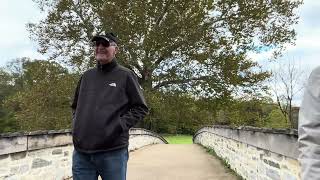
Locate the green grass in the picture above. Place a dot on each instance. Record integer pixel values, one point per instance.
(178, 139)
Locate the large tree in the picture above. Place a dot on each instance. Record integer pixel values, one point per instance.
(185, 45)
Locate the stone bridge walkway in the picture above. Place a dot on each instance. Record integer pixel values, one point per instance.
(175, 162)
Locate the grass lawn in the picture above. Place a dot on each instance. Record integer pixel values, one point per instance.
(178, 139)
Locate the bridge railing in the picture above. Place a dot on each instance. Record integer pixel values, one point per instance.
(254, 153)
(48, 154)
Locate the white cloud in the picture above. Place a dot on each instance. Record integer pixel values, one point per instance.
(15, 42)
(31, 53)
(306, 50)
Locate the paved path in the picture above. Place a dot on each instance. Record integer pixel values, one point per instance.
(175, 162)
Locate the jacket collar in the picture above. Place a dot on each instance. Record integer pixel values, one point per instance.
(107, 67)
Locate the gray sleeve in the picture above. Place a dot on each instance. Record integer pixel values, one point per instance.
(309, 129)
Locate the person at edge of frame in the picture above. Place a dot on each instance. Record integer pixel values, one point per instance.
(108, 101)
(309, 129)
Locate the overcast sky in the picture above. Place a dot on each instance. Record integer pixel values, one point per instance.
(15, 42)
(305, 53)
(307, 46)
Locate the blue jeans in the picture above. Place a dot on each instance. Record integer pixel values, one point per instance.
(109, 165)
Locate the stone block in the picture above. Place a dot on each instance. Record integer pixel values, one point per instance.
(273, 174)
(48, 140)
(18, 155)
(13, 144)
(57, 151)
(66, 153)
(277, 157)
(4, 170)
(283, 166)
(4, 157)
(38, 163)
(11, 177)
(38, 153)
(14, 170)
(284, 145)
(24, 169)
(272, 163)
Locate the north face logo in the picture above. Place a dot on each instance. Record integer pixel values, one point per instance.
(113, 84)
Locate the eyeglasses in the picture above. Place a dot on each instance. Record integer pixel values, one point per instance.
(103, 43)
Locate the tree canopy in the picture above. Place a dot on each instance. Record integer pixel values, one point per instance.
(191, 58)
(181, 45)
(42, 99)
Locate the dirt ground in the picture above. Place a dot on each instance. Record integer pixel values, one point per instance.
(175, 162)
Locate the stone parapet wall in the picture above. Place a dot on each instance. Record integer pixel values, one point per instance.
(48, 154)
(254, 153)
(20, 142)
(49, 163)
(141, 137)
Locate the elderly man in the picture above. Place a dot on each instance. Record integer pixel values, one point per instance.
(309, 129)
(108, 101)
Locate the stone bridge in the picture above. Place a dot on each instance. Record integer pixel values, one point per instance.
(251, 152)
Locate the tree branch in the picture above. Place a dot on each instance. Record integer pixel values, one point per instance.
(179, 81)
(159, 19)
(85, 22)
(133, 59)
(163, 56)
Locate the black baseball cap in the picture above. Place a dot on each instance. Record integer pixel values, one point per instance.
(110, 37)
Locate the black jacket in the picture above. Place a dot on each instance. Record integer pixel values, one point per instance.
(107, 102)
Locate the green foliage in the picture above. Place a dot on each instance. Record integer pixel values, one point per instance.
(7, 121)
(7, 88)
(186, 46)
(276, 119)
(191, 59)
(176, 114)
(178, 139)
(242, 113)
(251, 112)
(44, 100)
(37, 95)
